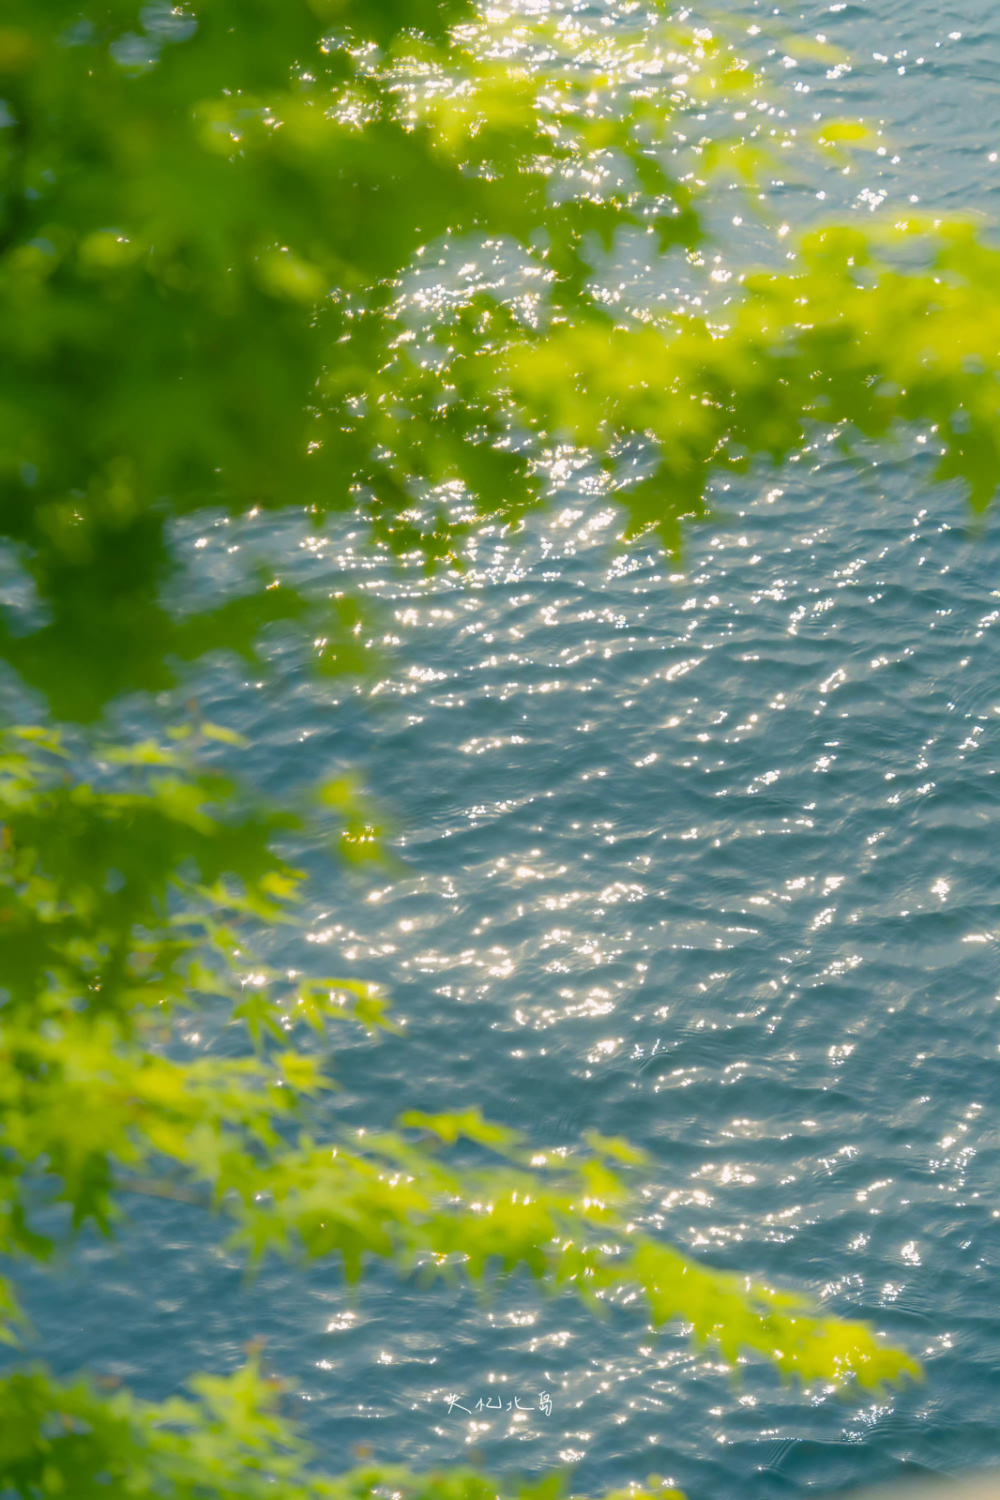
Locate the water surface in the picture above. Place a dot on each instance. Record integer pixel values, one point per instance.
(703, 854)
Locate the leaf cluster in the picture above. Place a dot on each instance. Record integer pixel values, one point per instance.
(107, 941)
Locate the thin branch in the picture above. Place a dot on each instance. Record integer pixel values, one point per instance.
(156, 1187)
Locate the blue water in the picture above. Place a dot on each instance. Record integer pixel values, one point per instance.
(702, 853)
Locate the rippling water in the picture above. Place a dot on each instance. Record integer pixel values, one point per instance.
(705, 856)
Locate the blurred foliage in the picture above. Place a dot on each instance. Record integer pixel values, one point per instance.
(230, 1440)
(208, 220)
